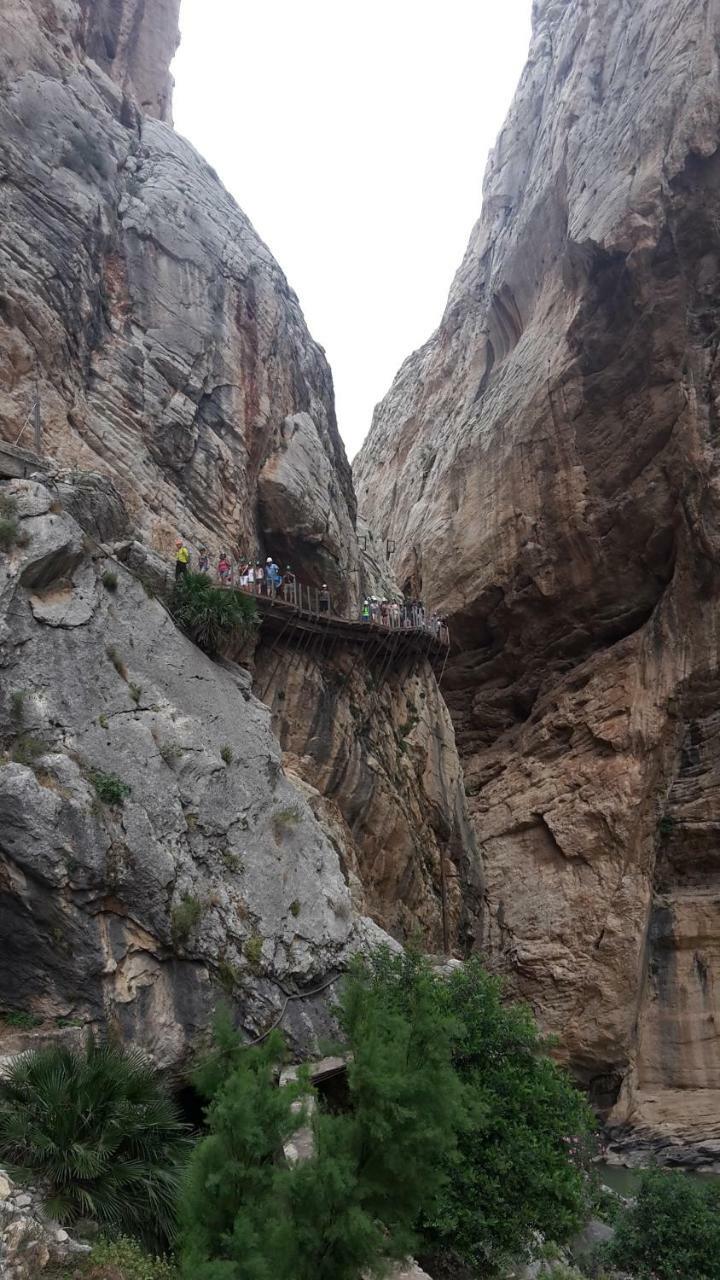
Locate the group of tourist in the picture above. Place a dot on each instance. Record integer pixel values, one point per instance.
(256, 577)
(267, 580)
(411, 614)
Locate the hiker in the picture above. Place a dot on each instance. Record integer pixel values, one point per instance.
(324, 599)
(365, 614)
(374, 609)
(288, 583)
(384, 612)
(203, 561)
(223, 569)
(258, 578)
(182, 557)
(272, 576)
(246, 580)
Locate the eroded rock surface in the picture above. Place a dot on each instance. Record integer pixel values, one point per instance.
(154, 857)
(547, 466)
(373, 737)
(167, 346)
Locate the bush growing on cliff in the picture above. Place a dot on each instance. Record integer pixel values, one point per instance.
(518, 1169)
(96, 1128)
(672, 1231)
(354, 1204)
(213, 617)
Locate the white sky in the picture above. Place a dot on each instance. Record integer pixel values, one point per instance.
(354, 135)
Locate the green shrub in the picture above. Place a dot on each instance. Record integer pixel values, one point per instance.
(232, 861)
(21, 1019)
(135, 693)
(284, 820)
(213, 617)
(27, 750)
(109, 580)
(226, 754)
(9, 528)
(109, 787)
(295, 907)
(671, 1231)
(115, 658)
(169, 752)
(96, 1128)
(124, 1259)
(519, 1165)
(252, 950)
(17, 707)
(184, 917)
(229, 975)
(354, 1203)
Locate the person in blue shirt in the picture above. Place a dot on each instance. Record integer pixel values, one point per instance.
(272, 574)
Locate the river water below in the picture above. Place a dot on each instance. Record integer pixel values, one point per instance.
(625, 1181)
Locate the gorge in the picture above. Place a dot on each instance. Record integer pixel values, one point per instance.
(546, 468)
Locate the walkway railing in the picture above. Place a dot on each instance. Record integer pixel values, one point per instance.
(316, 602)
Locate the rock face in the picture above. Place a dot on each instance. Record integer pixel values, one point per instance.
(153, 854)
(375, 740)
(547, 465)
(166, 345)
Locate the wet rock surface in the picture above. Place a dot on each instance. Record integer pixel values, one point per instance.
(547, 467)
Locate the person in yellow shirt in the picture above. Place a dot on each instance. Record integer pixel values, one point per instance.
(182, 556)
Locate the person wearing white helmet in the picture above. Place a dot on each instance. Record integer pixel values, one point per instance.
(272, 576)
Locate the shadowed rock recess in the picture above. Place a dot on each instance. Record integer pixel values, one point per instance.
(164, 841)
(547, 466)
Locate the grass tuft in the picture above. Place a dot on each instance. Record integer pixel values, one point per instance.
(109, 788)
(184, 917)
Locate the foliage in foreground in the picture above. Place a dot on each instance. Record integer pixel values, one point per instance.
(456, 1140)
(212, 616)
(123, 1259)
(354, 1204)
(518, 1170)
(672, 1231)
(96, 1127)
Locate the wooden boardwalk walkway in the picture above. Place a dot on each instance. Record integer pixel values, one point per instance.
(290, 621)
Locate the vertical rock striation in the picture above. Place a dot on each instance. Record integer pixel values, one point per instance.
(166, 344)
(547, 465)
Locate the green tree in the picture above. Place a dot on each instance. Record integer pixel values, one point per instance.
(95, 1127)
(214, 617)
(355, 1203)
(672, 1231)
(518, 1169)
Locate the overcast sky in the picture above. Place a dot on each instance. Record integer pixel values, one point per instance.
(354, 136)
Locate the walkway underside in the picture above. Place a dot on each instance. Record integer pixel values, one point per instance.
(382, 643)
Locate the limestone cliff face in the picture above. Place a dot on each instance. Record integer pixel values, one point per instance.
(154, 856)
(374, 739)
(167, 346)
(547, 465)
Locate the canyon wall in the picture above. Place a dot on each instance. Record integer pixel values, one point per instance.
(547, 466)
(165, 343)
(155, 859)
(372, 735)
(160, 848)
